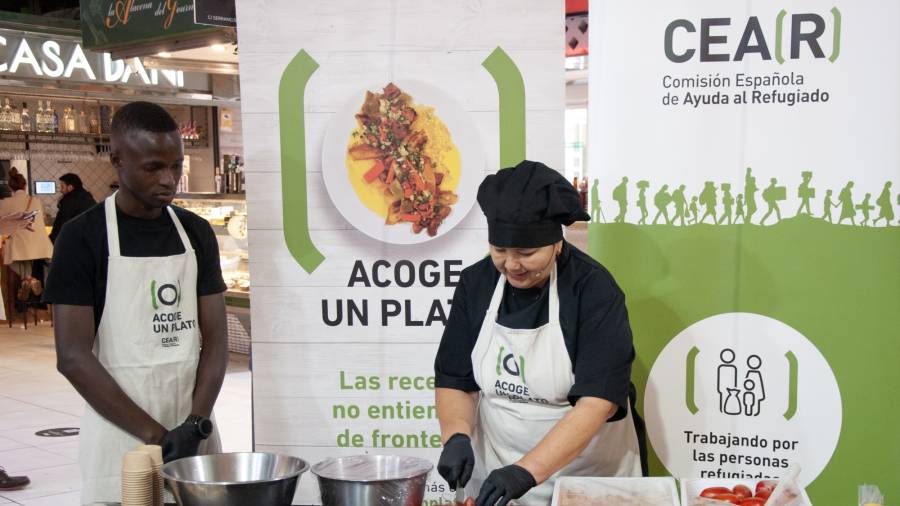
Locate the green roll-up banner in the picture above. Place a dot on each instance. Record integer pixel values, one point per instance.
(748, 162)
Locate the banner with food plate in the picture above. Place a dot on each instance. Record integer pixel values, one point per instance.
(367, 129)
(747, 169)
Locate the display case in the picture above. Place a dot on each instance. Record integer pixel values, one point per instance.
(227, 214)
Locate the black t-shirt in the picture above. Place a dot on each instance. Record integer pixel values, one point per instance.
(593, 318)
(81, 254)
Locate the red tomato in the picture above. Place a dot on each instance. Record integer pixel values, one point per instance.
(742, 491)
(766, 484)
(733, 499)
(753, 501)
(711, 492)
(764, 493)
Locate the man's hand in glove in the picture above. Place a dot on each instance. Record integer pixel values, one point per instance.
(182, 441)
(457, 460)
(505, 484)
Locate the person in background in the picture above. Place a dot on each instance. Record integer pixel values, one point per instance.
(8, 225)
(135, 283)
(26, 250)
(75, 200)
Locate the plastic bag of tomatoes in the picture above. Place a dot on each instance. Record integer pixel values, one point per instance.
(741, 494)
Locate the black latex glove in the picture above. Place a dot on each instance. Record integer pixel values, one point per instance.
(505, 484)
(457, 460)
(182, 441)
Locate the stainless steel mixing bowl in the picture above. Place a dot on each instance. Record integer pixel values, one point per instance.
(372, 480)
(234, 479)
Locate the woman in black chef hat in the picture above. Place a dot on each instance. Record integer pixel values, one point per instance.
(533, 373)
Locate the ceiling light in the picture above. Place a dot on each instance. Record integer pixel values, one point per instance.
(164, 54)
(218, 47)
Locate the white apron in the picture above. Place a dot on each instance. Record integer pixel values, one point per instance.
(149, 341)
(525, 377)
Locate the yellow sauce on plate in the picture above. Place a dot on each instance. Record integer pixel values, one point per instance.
(439, 147)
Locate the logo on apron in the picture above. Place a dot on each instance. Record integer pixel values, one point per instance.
(164, 296)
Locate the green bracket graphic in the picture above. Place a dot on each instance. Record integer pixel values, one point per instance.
(293, 161)
(499, 360)
(792, 385)
(522, 368)
(511, 91)
(689, 368)
(779, 32)
(153, 295)
(836, 41)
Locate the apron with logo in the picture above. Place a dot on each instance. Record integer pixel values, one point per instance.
(525, 377)
(149, 341)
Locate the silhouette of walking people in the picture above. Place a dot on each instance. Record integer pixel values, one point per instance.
(708, 199)
(661, 200)
(739, 215)
(826, 215)
(596, 212)
(620, 195)
(728, 202)
(680, 205)
(642, 201)
(806, 194)
(695, 212)
(772, 194)
(847, 208)
(885, 207)
(750, 190)
(865, 207)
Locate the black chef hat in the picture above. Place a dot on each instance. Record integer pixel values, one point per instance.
(527, 205)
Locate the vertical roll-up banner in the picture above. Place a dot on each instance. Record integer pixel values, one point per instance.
(748, 165)
(367, 129)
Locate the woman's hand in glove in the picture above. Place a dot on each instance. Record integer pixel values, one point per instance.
(457, 460)
(505, 484)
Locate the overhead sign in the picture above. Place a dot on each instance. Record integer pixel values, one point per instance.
(215, 13)
(54, 59)
(113, 24)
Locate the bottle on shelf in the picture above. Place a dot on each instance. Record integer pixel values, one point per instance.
(25, 119)
(15, 120)
(40, 123)
(55, 118)
(70, 120)
(83, 123)
(94, 123)
(5, 119)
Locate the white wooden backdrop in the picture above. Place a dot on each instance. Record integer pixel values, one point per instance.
(296, 357)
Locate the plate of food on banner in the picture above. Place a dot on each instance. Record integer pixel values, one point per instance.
(402, 162)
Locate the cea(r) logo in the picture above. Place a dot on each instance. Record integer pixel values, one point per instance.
(165, 294)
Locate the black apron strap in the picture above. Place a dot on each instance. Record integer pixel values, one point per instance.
(640, 428)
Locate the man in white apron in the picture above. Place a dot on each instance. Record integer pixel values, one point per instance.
(533, 371)
(135, 283)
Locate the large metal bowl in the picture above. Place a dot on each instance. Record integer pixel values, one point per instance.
(372, 480)
(234, 479)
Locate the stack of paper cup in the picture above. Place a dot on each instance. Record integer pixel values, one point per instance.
(137, 479)
(155, 453)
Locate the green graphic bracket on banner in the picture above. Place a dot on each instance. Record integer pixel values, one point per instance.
(689, 374)
(792, 385)
(293, 161)
(779, 32)
(836, 41)
(511, 92)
